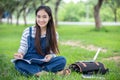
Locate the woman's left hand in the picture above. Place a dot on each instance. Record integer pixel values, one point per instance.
(48, 57)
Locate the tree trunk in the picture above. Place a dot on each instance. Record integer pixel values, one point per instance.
(56, 11)
(24, 16)
(1, 17)
(11, 20)
(97, 14)
(34, 5)
(115, 15)
(1, 14)
(18, 15)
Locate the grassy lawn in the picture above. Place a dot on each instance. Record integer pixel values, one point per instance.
(83, 44)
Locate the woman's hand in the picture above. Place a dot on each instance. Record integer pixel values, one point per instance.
(18, 56)
(48, 57)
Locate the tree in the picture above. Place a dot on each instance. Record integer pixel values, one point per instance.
(97, 14)
(7, 7)
(23, 6)
(56, 11)
(43, 2)
(1, 13)
(114, 5)
(19, 10)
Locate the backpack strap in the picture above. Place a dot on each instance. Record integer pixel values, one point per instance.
(30, 31)
(30, 36)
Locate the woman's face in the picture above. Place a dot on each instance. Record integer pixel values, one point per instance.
(42, 18)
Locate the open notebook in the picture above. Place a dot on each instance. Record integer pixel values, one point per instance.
(29, 61)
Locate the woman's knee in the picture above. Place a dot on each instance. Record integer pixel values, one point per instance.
(19, 64)
(62, 60)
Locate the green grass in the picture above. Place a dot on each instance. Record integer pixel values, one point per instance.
(107, 37)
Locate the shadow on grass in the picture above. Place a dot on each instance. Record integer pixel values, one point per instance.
(102, 29)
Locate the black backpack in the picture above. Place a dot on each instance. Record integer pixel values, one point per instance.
(88, 67)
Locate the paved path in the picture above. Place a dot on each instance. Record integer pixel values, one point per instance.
(89, 23)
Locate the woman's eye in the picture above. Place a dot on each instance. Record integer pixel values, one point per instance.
(38, 16)
(44, 16)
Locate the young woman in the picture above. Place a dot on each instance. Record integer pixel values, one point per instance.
(40, 42)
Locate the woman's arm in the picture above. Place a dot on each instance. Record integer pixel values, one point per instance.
(24, 43)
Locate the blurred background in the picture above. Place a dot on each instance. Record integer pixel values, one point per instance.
(87, 11)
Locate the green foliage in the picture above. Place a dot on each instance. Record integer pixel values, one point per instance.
(105, 16)
(114, 6)
(72, 12)
(81, 11)
(107, 37)
(84, 11)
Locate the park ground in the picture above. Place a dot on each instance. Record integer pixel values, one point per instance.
(76, 43)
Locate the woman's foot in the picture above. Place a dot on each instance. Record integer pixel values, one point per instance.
(64, 72)
(40, 73)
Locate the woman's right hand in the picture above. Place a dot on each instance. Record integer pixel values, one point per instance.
(18, 56)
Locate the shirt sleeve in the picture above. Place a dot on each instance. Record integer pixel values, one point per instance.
(24, 43)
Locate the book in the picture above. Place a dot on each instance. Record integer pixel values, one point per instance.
(29, 61)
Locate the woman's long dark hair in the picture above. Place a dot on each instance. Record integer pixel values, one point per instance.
(50, 33)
